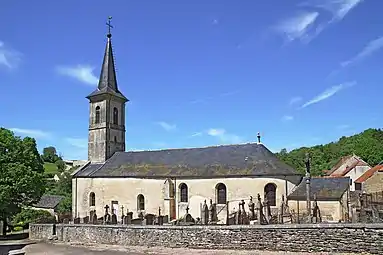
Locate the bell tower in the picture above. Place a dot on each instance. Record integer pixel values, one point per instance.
(107, 111)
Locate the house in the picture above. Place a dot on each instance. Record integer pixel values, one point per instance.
(332, 194)
(350, 166)
(48, 203)
(371, 181)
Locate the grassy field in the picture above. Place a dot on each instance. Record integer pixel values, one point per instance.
(50, 168)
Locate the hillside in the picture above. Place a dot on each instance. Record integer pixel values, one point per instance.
(368, 145)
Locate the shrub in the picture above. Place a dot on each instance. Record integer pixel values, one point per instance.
(27, 216)
(18, 228)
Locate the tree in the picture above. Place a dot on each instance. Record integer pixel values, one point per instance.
(50, 154)
(61, 166)
(368, 145)
(21, 174)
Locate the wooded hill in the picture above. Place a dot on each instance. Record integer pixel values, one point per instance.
(368, 145)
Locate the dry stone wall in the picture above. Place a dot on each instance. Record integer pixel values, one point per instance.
(356, 238)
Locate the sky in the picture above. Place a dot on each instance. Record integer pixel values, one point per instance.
(197, 73)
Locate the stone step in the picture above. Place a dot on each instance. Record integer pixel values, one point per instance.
(16, 252)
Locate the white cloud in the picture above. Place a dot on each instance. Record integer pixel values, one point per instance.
(295, 100)
(298, 26)
(9, 57)
(287, 118)
(223, 136)
(83, 73)
(167, 126)
(328, 93)
(368, 50)
(34, 133)
(81, 143)
(338, 9)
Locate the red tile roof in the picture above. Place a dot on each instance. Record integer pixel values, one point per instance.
(370, 172)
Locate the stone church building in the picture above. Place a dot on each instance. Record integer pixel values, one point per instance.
(169, 180)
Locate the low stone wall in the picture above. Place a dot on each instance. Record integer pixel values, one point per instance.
(41, 231)
(304, 237)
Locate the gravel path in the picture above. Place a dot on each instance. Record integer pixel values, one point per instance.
(98, 249)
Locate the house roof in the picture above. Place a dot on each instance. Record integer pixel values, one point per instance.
(49, 201)
(326, 189)
(358, 162)
(251, 159)
(370, 172)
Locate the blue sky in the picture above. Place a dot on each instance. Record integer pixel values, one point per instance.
(197, 73)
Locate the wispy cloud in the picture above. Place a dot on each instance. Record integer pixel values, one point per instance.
(298, 26)
(368, 50)
(167, 126)
(34, 133)
(343, 127)
(295, 100)
(80, 143)
(9, 58)
(206, 99)
(337, 8)
(288, 118)
(197, 134)
(328, 93)
(82, 73)
(223, 136)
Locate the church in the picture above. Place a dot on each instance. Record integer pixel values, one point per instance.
(170, 180)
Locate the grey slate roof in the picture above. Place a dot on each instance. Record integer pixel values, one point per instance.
(240, 160)
(49, 201)
(326, 189)
(107, 83)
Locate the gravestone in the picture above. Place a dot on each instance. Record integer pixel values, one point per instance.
(1, 228)
(204, 214)
(251, 208)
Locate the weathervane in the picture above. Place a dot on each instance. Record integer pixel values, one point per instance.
(109, 26)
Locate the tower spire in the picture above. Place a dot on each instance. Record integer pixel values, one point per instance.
(108, 81)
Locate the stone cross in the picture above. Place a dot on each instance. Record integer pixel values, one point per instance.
(187, 209)
(106, 209)
(251, 208)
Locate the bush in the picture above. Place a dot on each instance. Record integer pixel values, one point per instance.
(27, 216)
(18, 228)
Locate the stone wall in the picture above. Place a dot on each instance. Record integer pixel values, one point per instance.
(41, 231)
(305, 237)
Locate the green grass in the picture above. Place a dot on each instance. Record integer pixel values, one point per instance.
(50, 168)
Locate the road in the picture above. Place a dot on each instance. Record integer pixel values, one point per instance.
(97, 249)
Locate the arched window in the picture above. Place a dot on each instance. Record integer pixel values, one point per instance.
(115, 116)
(271, 194)
(183, 192)
(98, 115)
(140, 202)
(92, 199)
(220, 190)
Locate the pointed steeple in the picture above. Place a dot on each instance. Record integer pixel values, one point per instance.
(108, 81)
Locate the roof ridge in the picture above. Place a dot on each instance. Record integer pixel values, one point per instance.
(202, 147)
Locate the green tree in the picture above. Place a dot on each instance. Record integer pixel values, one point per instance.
(50, 154)
(368, 145)
(21, 174)
(60, 165)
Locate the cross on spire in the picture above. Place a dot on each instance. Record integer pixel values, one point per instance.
(109, 26)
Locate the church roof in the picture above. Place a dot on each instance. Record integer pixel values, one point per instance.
(107, 83)
(326, 189)
(251, 159)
